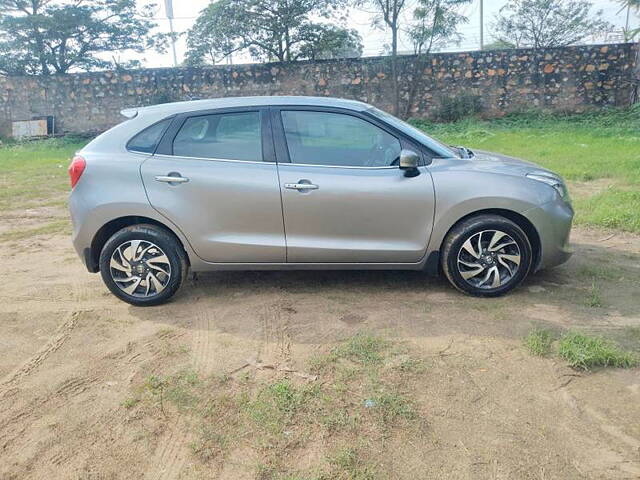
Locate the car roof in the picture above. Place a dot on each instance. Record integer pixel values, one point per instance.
(231, 102)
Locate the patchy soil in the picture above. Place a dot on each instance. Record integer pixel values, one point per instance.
(76, 364)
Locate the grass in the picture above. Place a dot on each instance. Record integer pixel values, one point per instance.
(35, 173)
(356, 404)
(585, 352)
(582, 351)
(539, 342)
(57, 226)
(364, 348)
(594, 297)
(581, 148)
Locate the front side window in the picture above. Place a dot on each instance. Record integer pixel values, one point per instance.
(335, 139)
(439, 149)
(225, 136)
(147, 140)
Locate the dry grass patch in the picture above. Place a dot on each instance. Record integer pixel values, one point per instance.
(359, 401)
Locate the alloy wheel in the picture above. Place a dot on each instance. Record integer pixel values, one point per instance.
(140, 268)
(489, 259)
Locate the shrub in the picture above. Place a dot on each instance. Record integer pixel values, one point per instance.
(456, 108)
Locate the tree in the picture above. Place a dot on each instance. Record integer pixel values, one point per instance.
(548, 23)
(329, 41)
(628, 5)
(389, 13)
(281, 30)
(435, 24)
(432, 22)
(44, 36)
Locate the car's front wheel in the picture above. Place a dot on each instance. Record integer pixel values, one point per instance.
(143, 265)
(486, 255)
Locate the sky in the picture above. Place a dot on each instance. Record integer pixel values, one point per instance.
(186, 11)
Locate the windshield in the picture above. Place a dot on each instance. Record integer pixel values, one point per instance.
(438, 148)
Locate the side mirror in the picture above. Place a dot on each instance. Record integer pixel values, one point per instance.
(409, 161)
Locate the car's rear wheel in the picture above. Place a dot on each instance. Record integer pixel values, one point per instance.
(143, 265)
(486, 255)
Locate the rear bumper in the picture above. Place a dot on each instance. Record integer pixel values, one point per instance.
(553, 221)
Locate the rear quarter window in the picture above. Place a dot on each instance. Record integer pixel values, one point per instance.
(147, 140)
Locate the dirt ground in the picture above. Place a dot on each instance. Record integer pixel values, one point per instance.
(71, 355)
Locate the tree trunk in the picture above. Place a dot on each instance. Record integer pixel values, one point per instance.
(394, 68)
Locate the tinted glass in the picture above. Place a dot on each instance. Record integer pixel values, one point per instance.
(147, 140)
(229, 136)
(322, 138)
(438, 148)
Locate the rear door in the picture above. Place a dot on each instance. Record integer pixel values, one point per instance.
(214, 176)
(345, 199)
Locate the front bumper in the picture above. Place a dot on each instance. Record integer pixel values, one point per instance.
(553, 222)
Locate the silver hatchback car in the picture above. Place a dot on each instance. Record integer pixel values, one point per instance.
(274, 183)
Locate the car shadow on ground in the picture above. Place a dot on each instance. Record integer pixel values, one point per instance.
(594, 290)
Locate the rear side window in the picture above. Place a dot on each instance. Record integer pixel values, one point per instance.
(147, 140)
(225, 136)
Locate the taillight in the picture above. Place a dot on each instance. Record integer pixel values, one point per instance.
(77, 166)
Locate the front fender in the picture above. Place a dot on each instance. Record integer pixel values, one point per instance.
(461, 192)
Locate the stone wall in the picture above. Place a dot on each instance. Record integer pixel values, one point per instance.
(568, 79)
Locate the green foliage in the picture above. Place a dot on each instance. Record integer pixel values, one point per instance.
(539, 342)
(594, 298)
(44, 36)
(435, 24)
(585, 352)
(548, 23)
(614, 207)
(499, 45)
(363, 348)
(453, 109)
(391, 406)
(580, 350)
(279, 30)
(276, 405)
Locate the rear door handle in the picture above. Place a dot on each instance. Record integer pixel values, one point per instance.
(301, 186)
(171, 178)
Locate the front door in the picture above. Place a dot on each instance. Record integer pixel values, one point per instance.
(213, 183)
(345, 200)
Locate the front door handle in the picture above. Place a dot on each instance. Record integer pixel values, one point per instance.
(171, 178)
(301, 186)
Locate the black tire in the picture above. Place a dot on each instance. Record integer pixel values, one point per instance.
(478, 229)
(166, 242)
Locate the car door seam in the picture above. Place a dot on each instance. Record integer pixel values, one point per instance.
(275, 151)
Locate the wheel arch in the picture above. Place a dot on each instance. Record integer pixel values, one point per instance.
(523, 222)
(108, 229)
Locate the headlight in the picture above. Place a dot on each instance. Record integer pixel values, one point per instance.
(554, 182)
